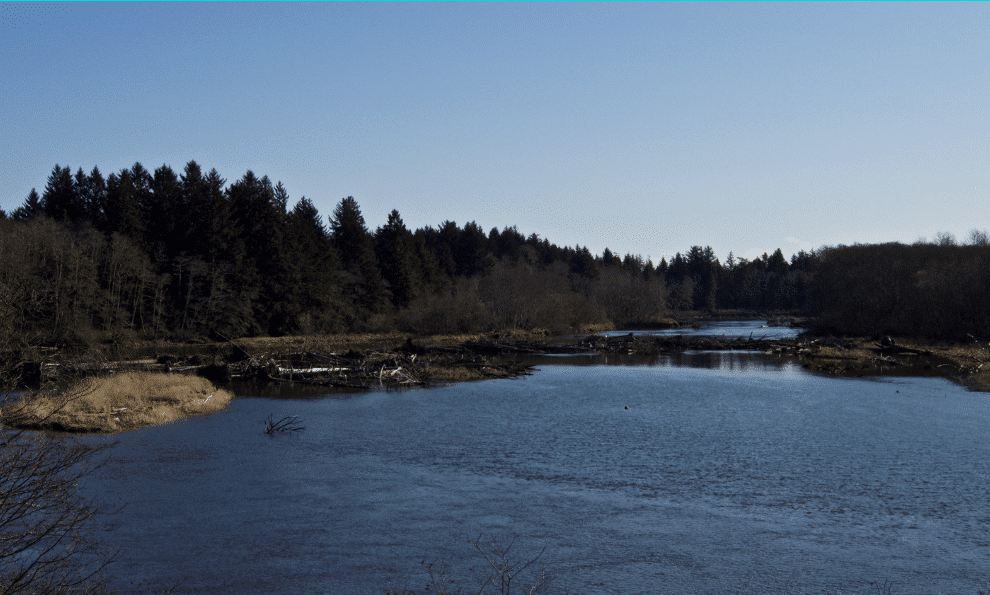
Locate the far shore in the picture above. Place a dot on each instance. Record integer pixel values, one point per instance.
(158, 382)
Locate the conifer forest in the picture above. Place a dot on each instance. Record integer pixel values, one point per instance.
(182, 255)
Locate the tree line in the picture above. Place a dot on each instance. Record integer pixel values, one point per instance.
(161, 254)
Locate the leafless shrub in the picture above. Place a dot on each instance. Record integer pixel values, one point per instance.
(47, 541)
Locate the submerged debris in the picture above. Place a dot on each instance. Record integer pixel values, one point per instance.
(284, 425)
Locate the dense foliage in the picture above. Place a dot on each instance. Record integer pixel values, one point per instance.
(937, 291)
(160, 254)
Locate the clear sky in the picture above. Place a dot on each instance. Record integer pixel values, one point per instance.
(645, 128)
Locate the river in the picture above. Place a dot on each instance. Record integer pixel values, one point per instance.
(701, 473)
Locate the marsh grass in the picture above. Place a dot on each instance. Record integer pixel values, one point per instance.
(116, 403)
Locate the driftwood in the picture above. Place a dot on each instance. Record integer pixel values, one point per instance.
(409, 364)
(284, 425)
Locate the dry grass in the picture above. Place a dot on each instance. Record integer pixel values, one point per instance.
(117, 403)
(968, 363)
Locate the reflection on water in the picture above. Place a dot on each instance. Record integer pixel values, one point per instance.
(727, 361)
(725, 328)
(727, 472)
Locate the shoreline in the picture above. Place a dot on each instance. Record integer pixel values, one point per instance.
(394, 360)
(370, 360)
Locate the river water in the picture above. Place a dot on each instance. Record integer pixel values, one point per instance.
(701, 473)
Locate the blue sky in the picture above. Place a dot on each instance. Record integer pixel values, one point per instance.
(645, 128)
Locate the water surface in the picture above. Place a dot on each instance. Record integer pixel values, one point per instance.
(703, 473)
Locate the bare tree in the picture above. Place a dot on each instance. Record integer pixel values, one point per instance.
(978, 237)
(48, 542)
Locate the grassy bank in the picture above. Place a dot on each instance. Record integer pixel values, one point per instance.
(966, 363)
(116, 403)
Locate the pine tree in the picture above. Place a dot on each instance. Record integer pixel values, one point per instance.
(471, 251)
(677, 270)
(610, 260)
(648, 271)
(430, 275)
(123, 211)
(662, 268)
(30, 209)
(165, 211)
(703, 267)
(60, 200)
(210, 233)
(397, 259)
(96, 198)
(141, 183)
(633, 264)
(314, 265)
(81, 185)
(583, 263)
(260, 223)
(356, 249)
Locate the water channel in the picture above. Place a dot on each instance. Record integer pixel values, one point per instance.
(701, 473)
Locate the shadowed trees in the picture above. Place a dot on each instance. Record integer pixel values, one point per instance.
(60, 200)
(935, 291)
(313, 270)
(29, 209)
(123, 208)
(258, 216)
(396, 253)
(162, 254)
(363, 284)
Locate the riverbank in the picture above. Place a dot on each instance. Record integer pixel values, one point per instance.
(109, 398)
(967, 364)
(373, 359)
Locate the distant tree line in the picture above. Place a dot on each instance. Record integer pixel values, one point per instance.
(939, 291)
(161, 254)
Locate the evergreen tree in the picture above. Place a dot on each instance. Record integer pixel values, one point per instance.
(397, 259)
(81, 185)
(583, 263)
(30, 209)
(60, 200)
(430, 274)
(702, 267)
(96, 198)
(507, 245)
(471, 251)
(357, 254)
(165, 211)
(210, 232)
(123, 211)
(677, 270)
(260, 218)
(776, 263)
(610, 260)
(662, 268)
(443, 242)
(141, 183)
(313, 265)
(648, 271)
(633, 264)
